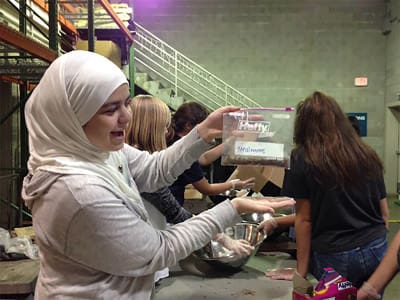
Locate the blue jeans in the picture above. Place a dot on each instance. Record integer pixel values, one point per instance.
(356, 265)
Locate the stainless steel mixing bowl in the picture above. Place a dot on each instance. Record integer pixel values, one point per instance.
(215, 253)
(256, 218)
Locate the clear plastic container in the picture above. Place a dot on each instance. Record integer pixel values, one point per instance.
(258, 136)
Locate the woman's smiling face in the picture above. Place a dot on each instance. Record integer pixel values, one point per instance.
(106, 129)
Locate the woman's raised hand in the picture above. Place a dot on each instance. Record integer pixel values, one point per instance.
(211, 127)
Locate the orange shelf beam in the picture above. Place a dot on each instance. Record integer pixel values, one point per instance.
(30, 86)
(106, 5)
(67, 24)
(26, 44)
(68, 7)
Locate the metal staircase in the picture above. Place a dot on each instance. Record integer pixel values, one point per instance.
(159, 69)
(168, 74)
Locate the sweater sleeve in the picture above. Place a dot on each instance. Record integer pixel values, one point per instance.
(166, 203)
(106, 235)
(159, 169)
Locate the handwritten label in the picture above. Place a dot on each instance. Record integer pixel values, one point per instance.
(273, 150)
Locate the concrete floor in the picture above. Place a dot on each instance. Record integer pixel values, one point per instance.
(198, 280)
(194, 279)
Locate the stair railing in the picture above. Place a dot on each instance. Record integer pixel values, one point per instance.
(187, 77)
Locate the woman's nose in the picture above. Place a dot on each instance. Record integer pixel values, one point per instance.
(126, 115)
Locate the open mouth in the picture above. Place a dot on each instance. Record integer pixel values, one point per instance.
(120, 133)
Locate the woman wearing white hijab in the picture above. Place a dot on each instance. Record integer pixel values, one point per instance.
(83, 186)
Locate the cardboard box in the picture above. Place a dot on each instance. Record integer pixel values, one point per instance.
(262, 175)
(108, 49)
(277, 175)
(192, 194)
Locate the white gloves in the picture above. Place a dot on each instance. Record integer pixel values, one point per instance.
(239, 247)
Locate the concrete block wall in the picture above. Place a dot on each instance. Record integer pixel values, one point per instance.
(392, 101)
(278, 52)
(393, 54)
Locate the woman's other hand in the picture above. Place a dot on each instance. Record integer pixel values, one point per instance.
(280, 274)
(268, 226)
(245, 205)
(367, 292)
(244, 184)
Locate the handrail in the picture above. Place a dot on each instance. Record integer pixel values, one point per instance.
(186, 76)
(167, 79)
(183, 74)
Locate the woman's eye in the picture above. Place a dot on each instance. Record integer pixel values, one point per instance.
(111, 110)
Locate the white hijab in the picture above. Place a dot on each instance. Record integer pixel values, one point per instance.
(69, 94)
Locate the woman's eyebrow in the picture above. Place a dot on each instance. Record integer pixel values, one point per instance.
(116, 102)
(105, 105)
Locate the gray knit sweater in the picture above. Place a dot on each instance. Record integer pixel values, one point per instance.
(95, 245)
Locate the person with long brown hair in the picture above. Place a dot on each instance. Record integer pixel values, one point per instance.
(337, 182)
